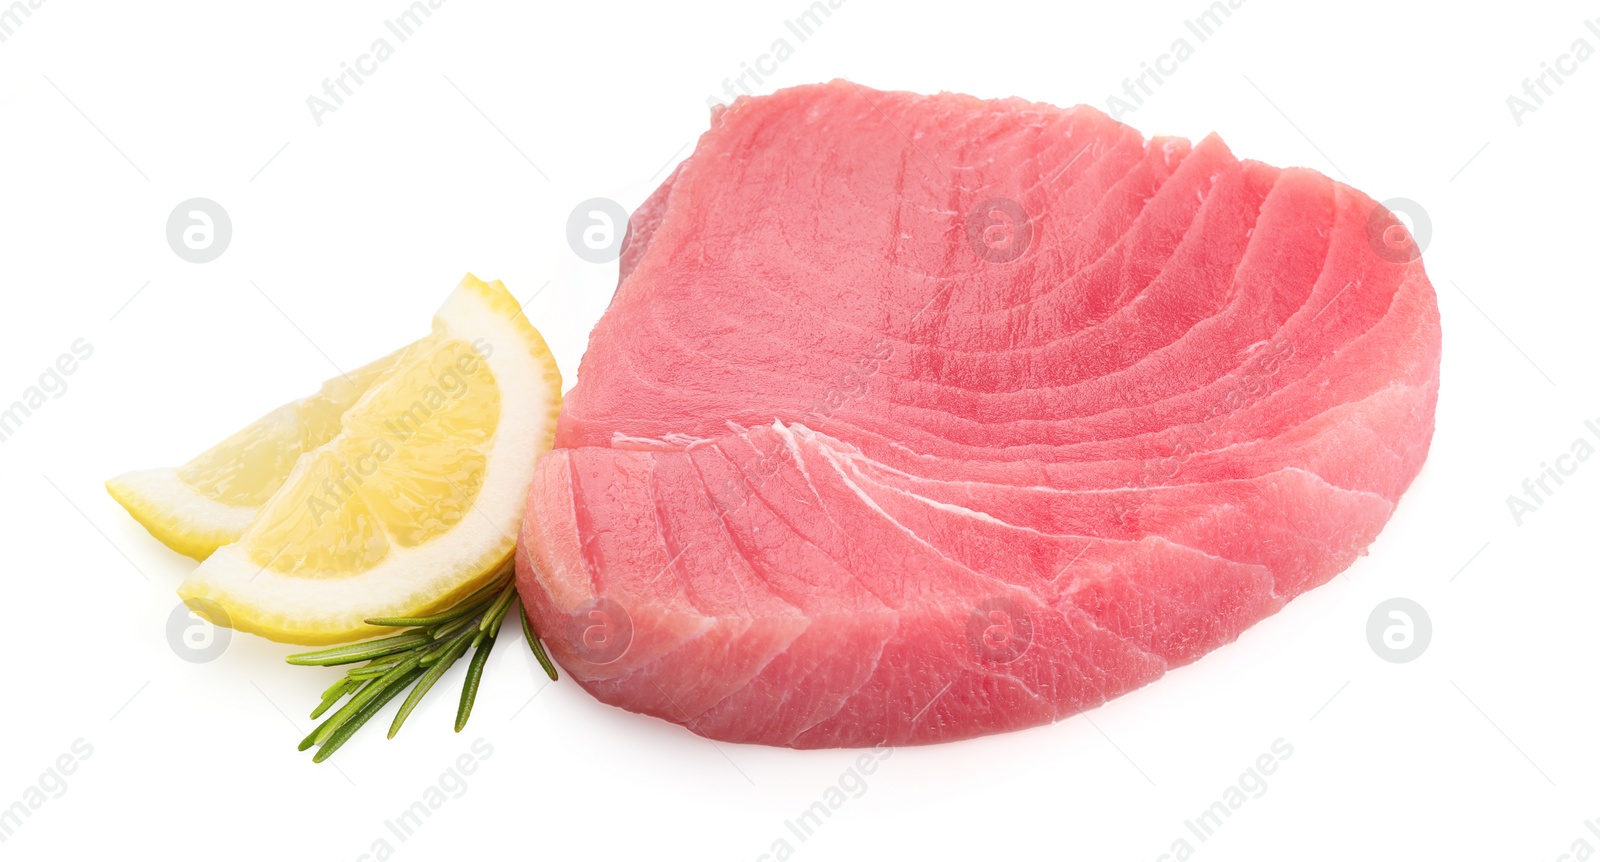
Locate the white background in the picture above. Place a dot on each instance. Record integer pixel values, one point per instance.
(468, 150)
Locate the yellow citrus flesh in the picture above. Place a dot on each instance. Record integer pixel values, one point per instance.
(415, 500)
(406, 467)
(246, 468)
(205, 504)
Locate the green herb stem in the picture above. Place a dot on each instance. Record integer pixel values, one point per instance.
(416, 658)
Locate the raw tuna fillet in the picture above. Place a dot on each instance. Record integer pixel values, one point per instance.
(915, 418)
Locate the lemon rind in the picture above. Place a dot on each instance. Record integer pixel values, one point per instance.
(171, 510)
(308, 610)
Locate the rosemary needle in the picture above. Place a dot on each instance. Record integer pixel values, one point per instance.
(361, 651)
(363, 697)
(349, 728)
(533, 643)
(426, 682)
(498, 609)
(469, 690)
(332, 695)
(416, 658)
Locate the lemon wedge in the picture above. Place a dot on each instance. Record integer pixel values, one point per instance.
(205, 504)
(412, 503)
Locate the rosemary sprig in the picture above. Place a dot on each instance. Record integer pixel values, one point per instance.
(420, 655)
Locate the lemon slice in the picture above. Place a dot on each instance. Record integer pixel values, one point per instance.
(206, 503)
(415, 502)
